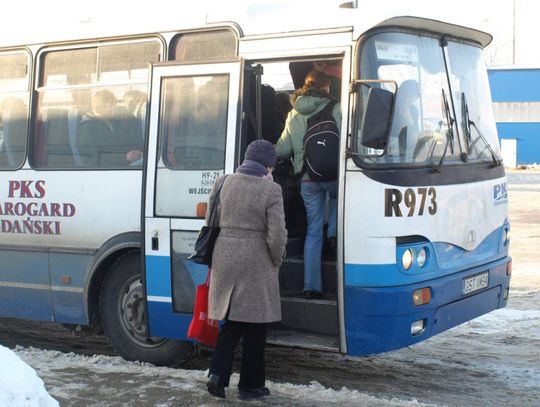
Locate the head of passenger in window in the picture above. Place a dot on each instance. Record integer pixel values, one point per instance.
(333, 70)
(316, 83)
(134, 101)
(104, 104)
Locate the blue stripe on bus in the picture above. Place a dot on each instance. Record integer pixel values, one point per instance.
(26, 303)
(69, 307)
(164, 323)
(448, 259)
(378, 319)
(158, 276)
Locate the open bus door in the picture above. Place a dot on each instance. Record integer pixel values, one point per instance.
(192, 131)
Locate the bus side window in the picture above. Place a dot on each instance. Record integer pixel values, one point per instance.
(102, 89)
(14, 103)
(14, 128)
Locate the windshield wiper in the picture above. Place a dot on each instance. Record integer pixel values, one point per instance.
(449, 132)
(467, 123)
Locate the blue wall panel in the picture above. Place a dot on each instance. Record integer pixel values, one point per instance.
(515, 85)
(528, 140)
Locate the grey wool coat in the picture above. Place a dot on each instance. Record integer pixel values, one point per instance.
(244, 283)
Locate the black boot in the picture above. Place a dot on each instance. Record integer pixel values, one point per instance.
(246, 394)
(215, 386)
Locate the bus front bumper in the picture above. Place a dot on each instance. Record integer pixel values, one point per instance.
(379, 319)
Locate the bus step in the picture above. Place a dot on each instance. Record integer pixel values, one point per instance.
(291, 275)
(307, 340)
(315, 316)
(295, 246)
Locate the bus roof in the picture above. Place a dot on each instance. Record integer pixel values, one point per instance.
(289, 19)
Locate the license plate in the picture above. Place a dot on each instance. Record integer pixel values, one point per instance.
(475, 283)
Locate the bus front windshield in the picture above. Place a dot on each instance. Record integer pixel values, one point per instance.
(472, 98)
(428, 120)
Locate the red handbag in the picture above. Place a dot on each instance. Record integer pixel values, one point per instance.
(201, 328)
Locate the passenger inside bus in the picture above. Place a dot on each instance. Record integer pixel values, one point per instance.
(310, 99)
(332, 68)
(76, 112)
(135, 116)
(96, 130)
(108, 136)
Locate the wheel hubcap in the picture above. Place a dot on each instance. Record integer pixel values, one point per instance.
(133, 314)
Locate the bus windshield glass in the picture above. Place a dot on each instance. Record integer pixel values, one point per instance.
(471, 94)
(426, 121)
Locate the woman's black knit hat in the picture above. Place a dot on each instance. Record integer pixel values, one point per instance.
(263, 152)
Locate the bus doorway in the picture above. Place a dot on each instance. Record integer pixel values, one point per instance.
(306, 322)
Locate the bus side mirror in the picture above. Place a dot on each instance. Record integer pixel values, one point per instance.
(376, 118)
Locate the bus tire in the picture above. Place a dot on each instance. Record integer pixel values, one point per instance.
(123, 317)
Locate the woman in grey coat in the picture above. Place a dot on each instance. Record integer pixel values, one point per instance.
(244, 286)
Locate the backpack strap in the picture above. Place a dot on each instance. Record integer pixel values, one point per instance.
(327, 110)
(329, 107)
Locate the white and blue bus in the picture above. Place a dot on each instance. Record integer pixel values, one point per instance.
(110, 144)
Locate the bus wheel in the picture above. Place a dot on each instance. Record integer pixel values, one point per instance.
(123, 317)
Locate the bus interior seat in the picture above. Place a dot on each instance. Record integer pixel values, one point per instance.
(13, 145)
(74, 117)
(13, 119)
(56, 138)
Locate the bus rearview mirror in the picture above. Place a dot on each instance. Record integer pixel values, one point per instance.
(376, 118)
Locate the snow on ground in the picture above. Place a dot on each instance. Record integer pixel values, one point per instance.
(20, 386)
(177, 386)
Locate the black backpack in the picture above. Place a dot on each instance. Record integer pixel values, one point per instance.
(321, 145)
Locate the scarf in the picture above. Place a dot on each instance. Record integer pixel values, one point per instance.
(249, 167)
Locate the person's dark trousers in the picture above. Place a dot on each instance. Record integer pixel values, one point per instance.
(252, 372)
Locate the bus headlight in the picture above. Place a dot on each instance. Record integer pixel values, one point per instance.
(421, 257)
(407, 259)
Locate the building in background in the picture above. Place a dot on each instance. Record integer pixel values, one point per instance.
(516, 105)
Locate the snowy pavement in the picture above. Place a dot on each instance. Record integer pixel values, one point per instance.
(491, 361)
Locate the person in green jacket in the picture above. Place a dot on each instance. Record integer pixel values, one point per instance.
(307, 101)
